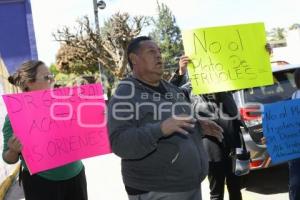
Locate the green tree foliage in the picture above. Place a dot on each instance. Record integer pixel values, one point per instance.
(167, 34)
(53, 69)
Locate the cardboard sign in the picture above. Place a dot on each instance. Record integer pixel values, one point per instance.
(281, 127)
(59, 126)
(227, 58)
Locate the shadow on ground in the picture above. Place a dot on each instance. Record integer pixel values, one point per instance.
(267, 181)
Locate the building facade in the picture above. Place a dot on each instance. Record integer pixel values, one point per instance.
(17, 44)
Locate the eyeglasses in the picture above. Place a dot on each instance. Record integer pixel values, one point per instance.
(49, 77)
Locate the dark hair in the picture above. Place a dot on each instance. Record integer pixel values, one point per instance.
(297, 78)
(134, 46)
(25, 74)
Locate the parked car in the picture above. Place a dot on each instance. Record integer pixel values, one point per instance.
(249, 102)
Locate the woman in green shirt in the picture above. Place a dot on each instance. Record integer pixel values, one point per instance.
(67, 182)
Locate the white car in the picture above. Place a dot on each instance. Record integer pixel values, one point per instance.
(249, 102)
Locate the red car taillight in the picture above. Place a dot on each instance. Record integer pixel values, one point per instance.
(250, 113)
(256, 163)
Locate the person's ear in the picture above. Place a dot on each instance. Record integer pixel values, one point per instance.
(133, 58)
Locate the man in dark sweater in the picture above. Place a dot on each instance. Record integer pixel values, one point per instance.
(153, 130)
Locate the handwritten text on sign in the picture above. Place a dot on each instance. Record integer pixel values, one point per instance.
(281, 126)
(227, 58)
(59, 126)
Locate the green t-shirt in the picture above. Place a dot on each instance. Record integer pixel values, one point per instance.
(60, 173)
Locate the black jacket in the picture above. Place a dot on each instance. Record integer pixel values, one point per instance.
(221, 108)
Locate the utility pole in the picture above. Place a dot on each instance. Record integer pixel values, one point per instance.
(98, 5)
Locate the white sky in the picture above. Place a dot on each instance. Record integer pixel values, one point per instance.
(48, 16)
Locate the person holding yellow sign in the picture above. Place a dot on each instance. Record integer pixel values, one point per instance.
(221, 108)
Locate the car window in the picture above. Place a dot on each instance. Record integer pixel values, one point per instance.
(282, 89)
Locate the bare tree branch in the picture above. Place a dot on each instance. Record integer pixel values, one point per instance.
(82, 48)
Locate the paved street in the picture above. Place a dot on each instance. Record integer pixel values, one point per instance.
(105, 182)
(267, 184)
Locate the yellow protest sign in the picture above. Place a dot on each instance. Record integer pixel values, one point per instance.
(227, 58)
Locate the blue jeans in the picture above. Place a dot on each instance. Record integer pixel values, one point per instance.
(294, 179)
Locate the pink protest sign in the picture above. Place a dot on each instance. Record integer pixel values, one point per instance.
(60, 125)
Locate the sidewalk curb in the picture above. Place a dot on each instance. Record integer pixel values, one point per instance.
(5, 185)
